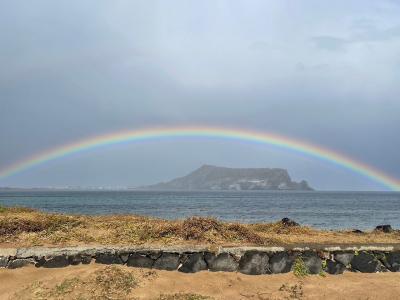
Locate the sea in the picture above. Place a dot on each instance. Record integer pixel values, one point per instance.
(325, 210)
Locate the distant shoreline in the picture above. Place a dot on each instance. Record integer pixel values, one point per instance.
(141, 189)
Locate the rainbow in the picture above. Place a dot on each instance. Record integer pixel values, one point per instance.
(206, 132)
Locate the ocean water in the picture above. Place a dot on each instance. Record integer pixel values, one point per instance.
(328, 210)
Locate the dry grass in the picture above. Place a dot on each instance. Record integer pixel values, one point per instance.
(183, 296)
(27, 227)
(80, 282)
(111, 282)
(280, 228)
(210, 230)
(12, 225)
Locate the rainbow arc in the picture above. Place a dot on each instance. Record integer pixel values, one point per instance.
(205, 132)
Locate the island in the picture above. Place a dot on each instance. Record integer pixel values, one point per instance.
(209, 177)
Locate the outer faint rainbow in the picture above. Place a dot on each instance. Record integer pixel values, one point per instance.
(207, 132)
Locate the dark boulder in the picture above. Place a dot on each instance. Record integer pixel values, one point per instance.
(334, 267)
(312, 261)
(19, 263)
(222, 262)
(393, 261)
(39, 261)
(108, 258)
(124, 256)
(193, 263)
(344, 258)
(3, 261)
(254, 263)
(167, 261)
(74, 260)
(54, 262)
(86, 259)
(281, 262)
(289, 222)
(139, 261)
(153, 254)
(79, 258)
(366, 263)
(384, 228)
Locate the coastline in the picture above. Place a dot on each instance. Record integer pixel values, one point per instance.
(57, 256)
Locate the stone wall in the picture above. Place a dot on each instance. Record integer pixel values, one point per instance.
(247, 260)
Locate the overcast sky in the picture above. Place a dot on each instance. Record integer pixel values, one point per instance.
(326, 72)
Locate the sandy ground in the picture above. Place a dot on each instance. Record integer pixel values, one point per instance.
(21, 284)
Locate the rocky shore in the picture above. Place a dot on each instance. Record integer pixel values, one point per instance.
(247, 260)
(30, 237)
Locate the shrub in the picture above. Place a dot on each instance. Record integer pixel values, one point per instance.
(195, 228)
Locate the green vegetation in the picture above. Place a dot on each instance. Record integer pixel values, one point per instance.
(299, 268)
(324, 267)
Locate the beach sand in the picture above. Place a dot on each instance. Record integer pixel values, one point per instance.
(96, 281)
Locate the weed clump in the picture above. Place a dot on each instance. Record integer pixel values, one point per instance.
(293, 291)
(65, 287)
(280, 228)
(195, 228)
(111, 282)
(242, 233)
(299, 268)
(183, 296)
(114, 281)
(211, 230)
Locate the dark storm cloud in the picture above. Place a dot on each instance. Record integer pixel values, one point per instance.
(75, 69)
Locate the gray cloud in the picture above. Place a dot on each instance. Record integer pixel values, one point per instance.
(365, 32)
(72, 70)
(330, 42)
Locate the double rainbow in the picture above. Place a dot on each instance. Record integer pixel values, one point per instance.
(205, 132)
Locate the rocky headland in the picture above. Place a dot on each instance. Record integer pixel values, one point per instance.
(209, 177)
